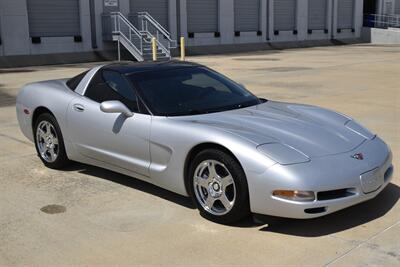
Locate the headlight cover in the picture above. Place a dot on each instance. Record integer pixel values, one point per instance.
(358, 129)
(283, 154)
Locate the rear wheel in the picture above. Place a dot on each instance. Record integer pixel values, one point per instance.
(219, 187)
(49, 142)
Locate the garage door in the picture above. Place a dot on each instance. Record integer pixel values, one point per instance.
(48, 18)
(317, 11)
(158, 9)
(202, 15)
(285, 15)
(247, 15)
(345, 14)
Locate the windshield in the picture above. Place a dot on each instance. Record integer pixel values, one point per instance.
(190, 91)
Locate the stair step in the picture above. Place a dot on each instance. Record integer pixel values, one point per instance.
(148, 56)
(150, 50)
(150, 53)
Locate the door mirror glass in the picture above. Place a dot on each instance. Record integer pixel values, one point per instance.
(115, 106)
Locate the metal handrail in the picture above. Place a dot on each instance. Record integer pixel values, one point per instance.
(138, 39)
(147, 18)
(126, 21)
(159, 44)
(118, 18)
(140, 52)
(155, 23)
(384, 21)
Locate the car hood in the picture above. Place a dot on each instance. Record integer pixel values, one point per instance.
(312, 130)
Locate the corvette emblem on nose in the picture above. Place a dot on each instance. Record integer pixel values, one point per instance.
(358, 156)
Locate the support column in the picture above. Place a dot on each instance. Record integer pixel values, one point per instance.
(302, 19)
(263, 20)
(226, 21)
(329, 17)
(183, 19)
(271, 19)
(334, 18)
(172, 19)
(358, 17)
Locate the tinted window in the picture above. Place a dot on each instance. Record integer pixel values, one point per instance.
(110, 85)
(74, 82)
(189, 91)
(119, 84)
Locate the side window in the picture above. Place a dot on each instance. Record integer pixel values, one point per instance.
(110, 85)
(97, 90)
(119, 84)
(74, 82)
(121, 89)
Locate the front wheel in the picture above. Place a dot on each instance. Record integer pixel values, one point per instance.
(218, 187)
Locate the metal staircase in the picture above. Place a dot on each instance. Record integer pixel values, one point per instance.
(139, 41)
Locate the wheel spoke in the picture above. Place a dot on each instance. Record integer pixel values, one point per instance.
(227, 181)
(41, 133)
(203, 182)
(52, 154)
(210, 201)
(212, 172)
(47, 126)
(225, 201)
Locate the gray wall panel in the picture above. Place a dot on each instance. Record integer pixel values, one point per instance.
(51, 18)
(397, 7)
(202, 16)
(317, 14)
(345, 13)
(285, 15)
(247, 15)
(158, 9)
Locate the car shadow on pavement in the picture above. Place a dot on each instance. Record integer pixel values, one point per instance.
(330, 224)
(131, 182)
(339, 221)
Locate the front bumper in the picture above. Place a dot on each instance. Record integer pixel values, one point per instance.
(340, 173)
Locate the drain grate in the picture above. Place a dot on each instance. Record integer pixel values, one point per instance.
(53, 209)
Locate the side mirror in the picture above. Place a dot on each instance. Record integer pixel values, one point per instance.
(115, 106)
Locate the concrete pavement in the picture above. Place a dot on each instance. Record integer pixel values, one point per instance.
(111, 219)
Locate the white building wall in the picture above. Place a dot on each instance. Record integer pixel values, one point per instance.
(14, 28)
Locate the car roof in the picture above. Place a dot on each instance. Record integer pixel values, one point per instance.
(128, 67)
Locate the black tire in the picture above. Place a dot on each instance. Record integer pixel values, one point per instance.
(241, 208)
(61, 160)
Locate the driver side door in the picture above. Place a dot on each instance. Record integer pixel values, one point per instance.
(112, 138)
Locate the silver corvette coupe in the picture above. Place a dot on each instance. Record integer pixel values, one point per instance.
(189, 129)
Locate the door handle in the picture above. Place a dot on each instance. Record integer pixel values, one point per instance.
(78, 107)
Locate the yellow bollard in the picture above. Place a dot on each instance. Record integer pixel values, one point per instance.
(183, 48)
(154, 48)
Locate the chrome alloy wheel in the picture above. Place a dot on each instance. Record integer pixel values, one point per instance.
(47, 141)
(214, 187)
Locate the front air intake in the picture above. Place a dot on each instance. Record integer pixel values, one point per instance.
(334, 194)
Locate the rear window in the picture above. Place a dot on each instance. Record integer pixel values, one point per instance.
(74, 82)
